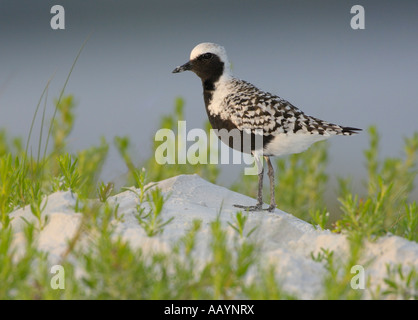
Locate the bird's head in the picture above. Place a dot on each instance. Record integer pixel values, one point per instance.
(207, 61)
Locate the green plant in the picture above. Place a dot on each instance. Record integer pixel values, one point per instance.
(104, 190)
(324, 254)
(401, 285)
(397, 171)
(319, 218)
(409, 222)
(225, 270)
(63, 125)
(386, 205)
(37, 205)
(149, 218)
(338, 279)
(152, 222)
(141, 182)
(70, 178)
(21, 173)
(67, 121)
(16, 270)
(112, 267)
(364, 216)
(267, 287)
(7, 188)
(239, 224)
(337, 282)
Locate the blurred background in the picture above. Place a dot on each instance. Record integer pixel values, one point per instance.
(304, 51)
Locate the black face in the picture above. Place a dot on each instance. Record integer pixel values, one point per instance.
(207, 66)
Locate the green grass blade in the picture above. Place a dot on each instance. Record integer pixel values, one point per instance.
(62, 93)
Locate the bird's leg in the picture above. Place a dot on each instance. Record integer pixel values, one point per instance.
(259, 204)
(260, 187)
(271, 178)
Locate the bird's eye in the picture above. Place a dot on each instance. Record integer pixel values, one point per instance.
(206, 56)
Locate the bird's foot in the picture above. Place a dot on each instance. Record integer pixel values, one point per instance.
(257, 207)
(271, 208)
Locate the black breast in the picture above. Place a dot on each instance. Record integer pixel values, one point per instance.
(237, 139)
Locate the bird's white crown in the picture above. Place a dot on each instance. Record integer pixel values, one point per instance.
(214, 48)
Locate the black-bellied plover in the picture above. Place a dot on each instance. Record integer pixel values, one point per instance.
(234, 104)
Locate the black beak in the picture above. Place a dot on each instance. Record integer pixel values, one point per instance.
(184, 67)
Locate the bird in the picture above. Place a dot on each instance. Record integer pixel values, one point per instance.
(268, 125)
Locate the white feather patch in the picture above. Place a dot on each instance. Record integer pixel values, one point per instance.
(283, 144)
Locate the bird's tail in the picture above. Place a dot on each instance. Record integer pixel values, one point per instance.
(332, 128)
(348, 131)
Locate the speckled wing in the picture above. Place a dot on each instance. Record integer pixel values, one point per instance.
(255, 111)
